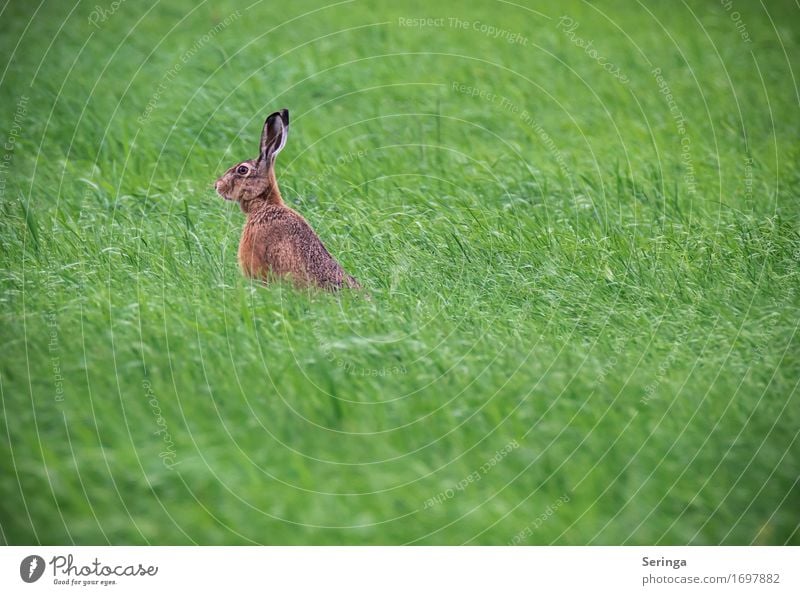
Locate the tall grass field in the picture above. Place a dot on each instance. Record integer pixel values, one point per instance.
(578, 225)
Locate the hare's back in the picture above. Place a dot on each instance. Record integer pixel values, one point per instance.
(293, 242)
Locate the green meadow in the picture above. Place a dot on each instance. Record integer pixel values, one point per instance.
(578, 224)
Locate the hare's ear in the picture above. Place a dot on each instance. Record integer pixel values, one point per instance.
(273, 138)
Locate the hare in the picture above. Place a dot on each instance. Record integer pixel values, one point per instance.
(276, 240)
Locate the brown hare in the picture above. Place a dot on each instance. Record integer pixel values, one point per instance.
(277, 241)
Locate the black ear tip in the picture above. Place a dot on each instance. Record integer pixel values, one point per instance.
(282, 114)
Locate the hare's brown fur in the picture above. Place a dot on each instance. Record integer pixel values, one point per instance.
(276, 240)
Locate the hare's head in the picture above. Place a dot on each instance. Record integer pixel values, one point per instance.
(253, 180)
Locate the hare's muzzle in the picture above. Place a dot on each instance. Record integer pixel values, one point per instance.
(219, 186)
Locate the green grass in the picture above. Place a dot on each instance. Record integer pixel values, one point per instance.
(556, 283)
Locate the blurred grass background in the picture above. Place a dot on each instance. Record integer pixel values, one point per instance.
(584, 274)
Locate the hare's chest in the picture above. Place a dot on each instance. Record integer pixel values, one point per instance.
(251, 253)
(268, 247)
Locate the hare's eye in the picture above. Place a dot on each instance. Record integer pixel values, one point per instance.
(242, 169)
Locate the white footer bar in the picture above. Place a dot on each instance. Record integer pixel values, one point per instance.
(398, 570)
